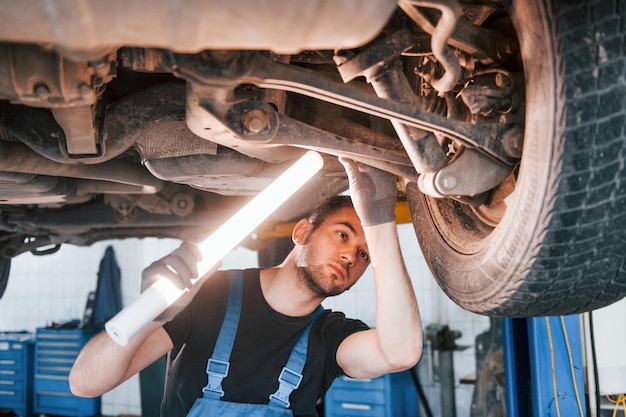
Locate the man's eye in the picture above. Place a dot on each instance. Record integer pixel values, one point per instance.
(364, 255)
(342, 235)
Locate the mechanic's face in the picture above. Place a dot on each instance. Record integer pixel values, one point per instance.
(334, 256)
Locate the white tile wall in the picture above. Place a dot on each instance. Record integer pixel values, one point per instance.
(54, 288)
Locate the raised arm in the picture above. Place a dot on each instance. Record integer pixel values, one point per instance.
(395, 344)
(103, 364)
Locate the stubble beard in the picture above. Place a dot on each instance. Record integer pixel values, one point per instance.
(313, 280)
(313, 276)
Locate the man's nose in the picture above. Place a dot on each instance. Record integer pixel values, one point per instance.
(347, 258)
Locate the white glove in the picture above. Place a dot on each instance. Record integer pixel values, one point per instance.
(181, 268)
(373, 192)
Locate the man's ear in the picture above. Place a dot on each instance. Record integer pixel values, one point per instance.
(301, 231)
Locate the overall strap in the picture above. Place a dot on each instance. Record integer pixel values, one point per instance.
(219, 363)
(291, 375)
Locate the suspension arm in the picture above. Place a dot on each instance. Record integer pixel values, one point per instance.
(246, 67)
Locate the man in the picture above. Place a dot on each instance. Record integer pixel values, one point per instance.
(333, 248)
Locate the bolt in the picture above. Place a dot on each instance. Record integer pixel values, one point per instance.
(502, 80)
(256, 121)
(181, 204)
(42, 91)
(84, 90)
(512, 141)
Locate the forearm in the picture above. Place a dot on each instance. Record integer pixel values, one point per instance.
(103, 364)
(398, 323)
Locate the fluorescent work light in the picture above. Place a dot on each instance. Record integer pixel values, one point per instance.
(162, 294)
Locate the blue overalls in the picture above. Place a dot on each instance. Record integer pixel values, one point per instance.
(289, 379)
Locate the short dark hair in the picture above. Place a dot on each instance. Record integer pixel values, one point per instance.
(328, 206)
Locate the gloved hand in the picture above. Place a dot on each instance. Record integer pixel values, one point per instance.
(373, 192)
(181, 268)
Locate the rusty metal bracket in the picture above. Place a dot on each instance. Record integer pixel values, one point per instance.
(254, 121)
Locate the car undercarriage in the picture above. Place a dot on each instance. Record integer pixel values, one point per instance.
(159, 119)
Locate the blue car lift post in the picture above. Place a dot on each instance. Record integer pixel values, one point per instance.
(543, 367)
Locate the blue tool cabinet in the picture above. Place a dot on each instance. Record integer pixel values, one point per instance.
(55, 353)
(16, 375)
(392, 395)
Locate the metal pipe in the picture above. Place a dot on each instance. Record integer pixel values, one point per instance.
(15, 157)
(440, 35)
(421, 146)
(446, 379)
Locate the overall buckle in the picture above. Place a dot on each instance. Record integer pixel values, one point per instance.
(217, 371)
(289, 381)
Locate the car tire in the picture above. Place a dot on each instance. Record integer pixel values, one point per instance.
(560, 246)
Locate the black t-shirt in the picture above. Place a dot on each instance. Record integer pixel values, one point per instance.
(262, 346)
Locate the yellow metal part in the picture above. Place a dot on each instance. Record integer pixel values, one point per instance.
(275, 230)
(403, 213)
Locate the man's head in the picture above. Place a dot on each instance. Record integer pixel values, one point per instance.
(327, 207)
(331, 250)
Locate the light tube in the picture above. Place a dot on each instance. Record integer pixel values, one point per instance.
(162, 294)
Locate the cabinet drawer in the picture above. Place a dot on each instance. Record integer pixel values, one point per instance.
(11, 384)
(56, 351)
(347, 409)
(11, 370)
(60, 403)
(52, 383)
(392, 395)
(10, 394)
(54, 365)
(345, 382)
(16, 375)
(366, 397)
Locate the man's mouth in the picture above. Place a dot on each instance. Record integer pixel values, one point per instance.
(339, 271)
